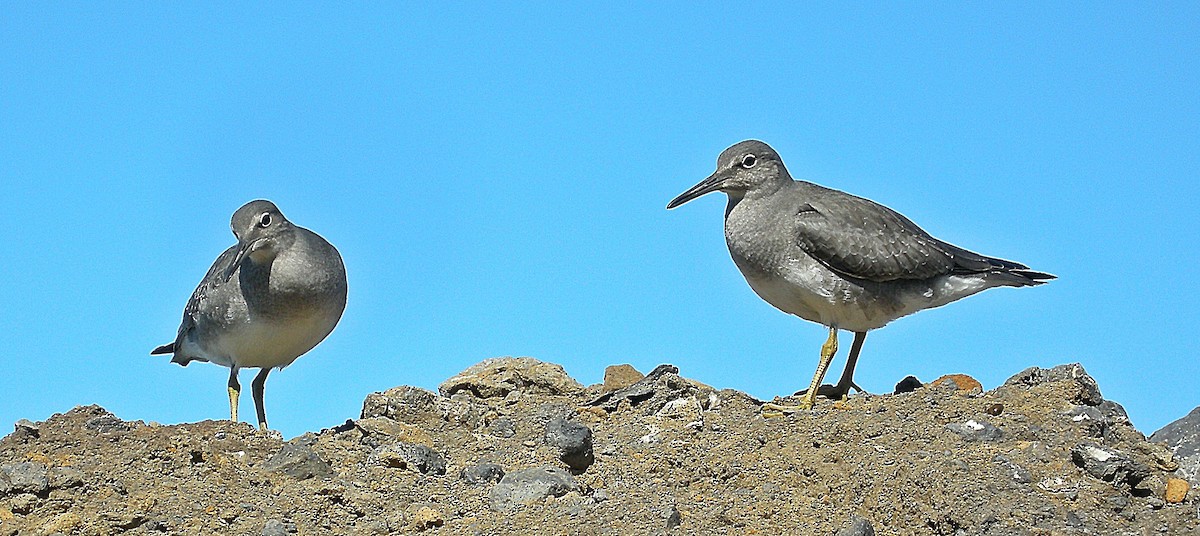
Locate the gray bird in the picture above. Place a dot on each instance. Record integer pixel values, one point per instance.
(265, 301)
(836, 259)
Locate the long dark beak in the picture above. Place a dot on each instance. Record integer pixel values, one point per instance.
(243, 250)
(708, 185)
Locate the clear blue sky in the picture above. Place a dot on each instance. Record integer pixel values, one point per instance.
(495, 177)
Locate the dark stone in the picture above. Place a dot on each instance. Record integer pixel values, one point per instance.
(573, 440)
(994, 409)
(65, 477)
(106, 424)
(650, 394)
(24, 477)
(859, 526)
(1086, 391)
(1090, 419)
(484, 473)
(1109, 465)
(976, 430)
(674, 518)
(408, 455)
(529, 486)
(298, 461)
(907, 385)
(1182, 437)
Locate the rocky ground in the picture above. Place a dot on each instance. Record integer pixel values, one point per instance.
(515, 446)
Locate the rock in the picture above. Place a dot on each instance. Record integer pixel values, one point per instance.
(24, 477)
(484, 473)
(660, 387)
(673, 517)
(401, 455)
(859, 526)
(503, 427)
(402, 403)
(298, 461)
(976, 430)
(1091, 419)
(61, 524)
(617, 377)
(528, 486)
(1182, 437)
(279, 527)
(107, 423)
(1083, 388)
(427, 518)
(1176, 491)
(65, 477)
(499, 376)
(1109, 465)
(907, 385)
(573, 441)
(963, 384)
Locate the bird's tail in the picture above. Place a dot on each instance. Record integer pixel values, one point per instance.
(164, 349)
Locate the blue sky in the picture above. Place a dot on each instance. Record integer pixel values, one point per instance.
(496, 176)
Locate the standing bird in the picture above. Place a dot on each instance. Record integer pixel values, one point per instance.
(836, 259)
(265, 301)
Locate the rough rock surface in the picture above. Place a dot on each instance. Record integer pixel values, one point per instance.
(1042, 454)
(1183, 438)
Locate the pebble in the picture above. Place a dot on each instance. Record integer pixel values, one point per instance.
(859, 526)
(279, 527)
(1109, 465)
(573, 440)
(529, 486)
(298, 461)
(408, 455)
(1177, 489)
(483, 473)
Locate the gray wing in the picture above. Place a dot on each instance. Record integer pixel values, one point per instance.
(862, 239)
(213, 279)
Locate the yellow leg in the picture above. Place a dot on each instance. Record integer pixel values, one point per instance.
(810, 397)
(235, 389)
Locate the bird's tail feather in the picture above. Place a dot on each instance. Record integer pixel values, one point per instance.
(164, 349)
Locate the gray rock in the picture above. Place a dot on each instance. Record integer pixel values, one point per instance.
(106, 424)
(401, 404)
(298, 461)
(1109, 465)
(976, 430)
(24, 477)
(660, 387)
(1085, 390)
(907, 385)
(528, 486)
(1090, 419)
(573, 440)
(1182, 437)
(279, 527)
(408, 455)
(859, 526)
(484, 473)
(503, 427)
(673, 517)
(65, 477)
(499, 376)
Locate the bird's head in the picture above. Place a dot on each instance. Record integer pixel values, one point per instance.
(741, 168)
(261, 231)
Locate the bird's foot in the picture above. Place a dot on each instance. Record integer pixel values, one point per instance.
(833, 392)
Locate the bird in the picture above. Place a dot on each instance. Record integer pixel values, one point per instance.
(837, 259)
(265, 301)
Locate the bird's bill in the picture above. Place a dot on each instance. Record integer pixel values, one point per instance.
(711, 184)
(243, 250)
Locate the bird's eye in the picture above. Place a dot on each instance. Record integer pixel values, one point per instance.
(265, 219)
(748, 161)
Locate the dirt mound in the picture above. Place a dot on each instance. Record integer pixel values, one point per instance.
(515, 446)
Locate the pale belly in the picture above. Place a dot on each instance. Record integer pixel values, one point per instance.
(812, 292)
(265, 343)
